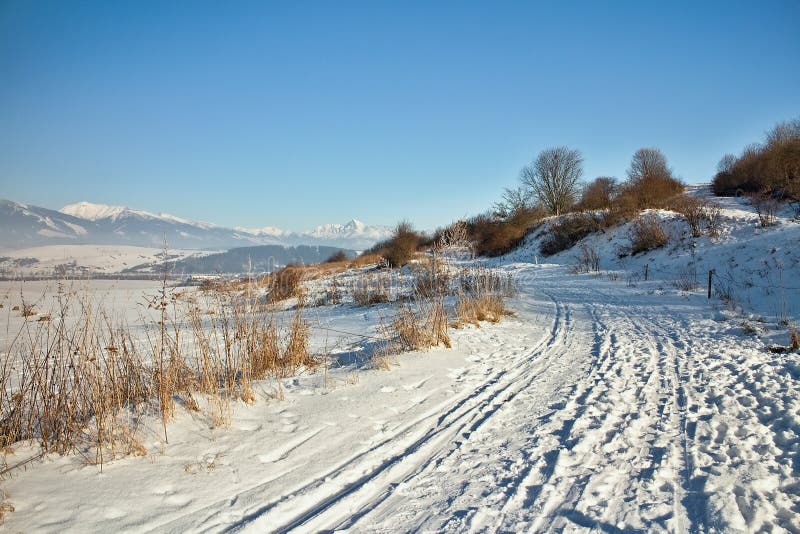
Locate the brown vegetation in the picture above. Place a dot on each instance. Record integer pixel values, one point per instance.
(401, 247)
(81, 383)
(771, 168)
(647, 233)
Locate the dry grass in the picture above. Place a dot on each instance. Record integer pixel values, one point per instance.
(420, 329)
(370, 289)
(473, 309)
(366, 259)
(80, 381)
(286, 283)
(794, 339)
(431, 278)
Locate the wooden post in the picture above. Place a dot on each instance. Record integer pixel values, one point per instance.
(710, 276)
(646, 268)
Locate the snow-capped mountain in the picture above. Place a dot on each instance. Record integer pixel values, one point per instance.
(24, 225)
(98, 212)
(101, 224)
(351, 232)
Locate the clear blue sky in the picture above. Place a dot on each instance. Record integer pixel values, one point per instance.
(300, 113)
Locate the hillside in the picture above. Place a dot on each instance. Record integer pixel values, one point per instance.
(755, 269)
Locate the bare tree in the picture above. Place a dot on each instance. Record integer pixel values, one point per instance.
(726, 163)
(650, 179)
(648, 163)
(514, 200)
(553, 178)
(783, 132)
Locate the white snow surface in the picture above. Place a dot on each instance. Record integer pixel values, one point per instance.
(105, 259)
(606, 404)
(96, 212)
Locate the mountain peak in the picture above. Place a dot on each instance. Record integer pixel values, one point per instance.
(92, 211)
(355, 224)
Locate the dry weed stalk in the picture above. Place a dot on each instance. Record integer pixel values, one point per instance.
(82, 381)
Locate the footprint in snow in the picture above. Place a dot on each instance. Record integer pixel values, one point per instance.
(178, 500)
(113, 513)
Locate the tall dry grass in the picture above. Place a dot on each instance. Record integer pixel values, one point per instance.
(82, 381)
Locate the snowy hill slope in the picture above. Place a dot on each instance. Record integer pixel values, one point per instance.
(755, 268)
(32, 225)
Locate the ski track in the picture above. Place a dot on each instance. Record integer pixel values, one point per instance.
(620, 413)
(600, 432)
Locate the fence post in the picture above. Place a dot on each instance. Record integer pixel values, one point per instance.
(710, 276)
(646, 268)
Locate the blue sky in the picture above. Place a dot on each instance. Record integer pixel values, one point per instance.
(299, 113)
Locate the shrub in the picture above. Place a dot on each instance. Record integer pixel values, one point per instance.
(337, 257)
(713, 218)
(650, 182)
(599, 194)
(766, 206)
(285, 283)
(399, 249)
(567, 231)
(647, 233)
(587, 260)
(693, 210)
(772, 167)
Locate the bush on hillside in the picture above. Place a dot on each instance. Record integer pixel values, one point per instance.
(401, 247)
(337, 257)
(493, 237)
(771, 168)
(567, 231)
(598, 194)
(647, 233)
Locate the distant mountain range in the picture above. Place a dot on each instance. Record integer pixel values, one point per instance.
(24, 225)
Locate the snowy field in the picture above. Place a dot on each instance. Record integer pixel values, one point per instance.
(607, 403)
(102, 259)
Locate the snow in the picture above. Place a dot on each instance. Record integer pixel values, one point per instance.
(95, 212)
(96, 258)
(263, 231)
(607, 403)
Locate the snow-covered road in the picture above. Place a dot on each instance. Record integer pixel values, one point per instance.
(630, 412)
(598, 407)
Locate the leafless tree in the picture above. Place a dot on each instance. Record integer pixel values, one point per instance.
(726, 163)
(454, 241)
(648, 163)
(650, 179)
(514, 200)
(553, 178)
(783, 132)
